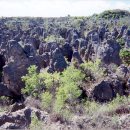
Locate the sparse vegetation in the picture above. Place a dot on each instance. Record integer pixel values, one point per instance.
(121, 42)
(53, 38)
(125, 56)
(92, 107)
(31, 81)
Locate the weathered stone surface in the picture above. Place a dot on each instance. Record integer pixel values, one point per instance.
(123, 72)
(109, 52)
(4, 91)
(19, 119)
(102, 91)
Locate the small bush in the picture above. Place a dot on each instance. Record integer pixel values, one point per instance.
(49, 80)
(94, 108)
(69, 87)
(62, 87)
(121, 41)
(46, 100)
(31, 81)
(125, 56)
(92, 69)
(35, 123)
(53, 38)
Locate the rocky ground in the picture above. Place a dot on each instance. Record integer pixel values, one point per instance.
(53, 45)
(21, 117)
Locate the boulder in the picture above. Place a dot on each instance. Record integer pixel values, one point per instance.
(19, 119)
(17, 106)
(15, 50)
(76, 58)
(58, 60)
(12, 74)
(4, 91)
(128, 85)
(102, 91)
(109, 52)
(67, 51)
(118, 87)
(122, 72)
(11, 126)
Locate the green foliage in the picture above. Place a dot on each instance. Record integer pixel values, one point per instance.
(46, 100)
(125, 56)
(114, 14)
(35, 123)
(53, 38)
(31, 81)
(62, 87)
(77, 22)
(92, 107)
(92, 68)
(117, 102)
(65, 114)
(121, 41)
(69, 87)
(49, 80)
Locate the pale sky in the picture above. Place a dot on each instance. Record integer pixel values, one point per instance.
(57, 8)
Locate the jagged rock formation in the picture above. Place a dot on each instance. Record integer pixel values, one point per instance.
(20, 48)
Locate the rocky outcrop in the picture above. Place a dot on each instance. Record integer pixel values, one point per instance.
(16, 120)
(4, 91)
(20, 117)
(102, 92)
(41, 45)
(108, 52)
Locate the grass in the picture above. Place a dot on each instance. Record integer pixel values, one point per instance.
(109, 108)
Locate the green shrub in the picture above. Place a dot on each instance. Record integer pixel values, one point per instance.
(125, 56)
(46, 100)
(53, 38)
(35, 123)
(94, 108)
(114, 14)
(92, 69)
(69, 87)
(49, 80)
(121, 41)
(91, 107)
(62, 87)
(31, 81)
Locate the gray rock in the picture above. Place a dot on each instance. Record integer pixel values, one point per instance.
(109, 52)
(102, 91)
(4, 91)
(19, 119)
(122, 72)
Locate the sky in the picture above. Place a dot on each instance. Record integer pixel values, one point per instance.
(58, 8)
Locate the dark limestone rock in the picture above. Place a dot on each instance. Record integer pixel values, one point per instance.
(109, 52)
(103, 92)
